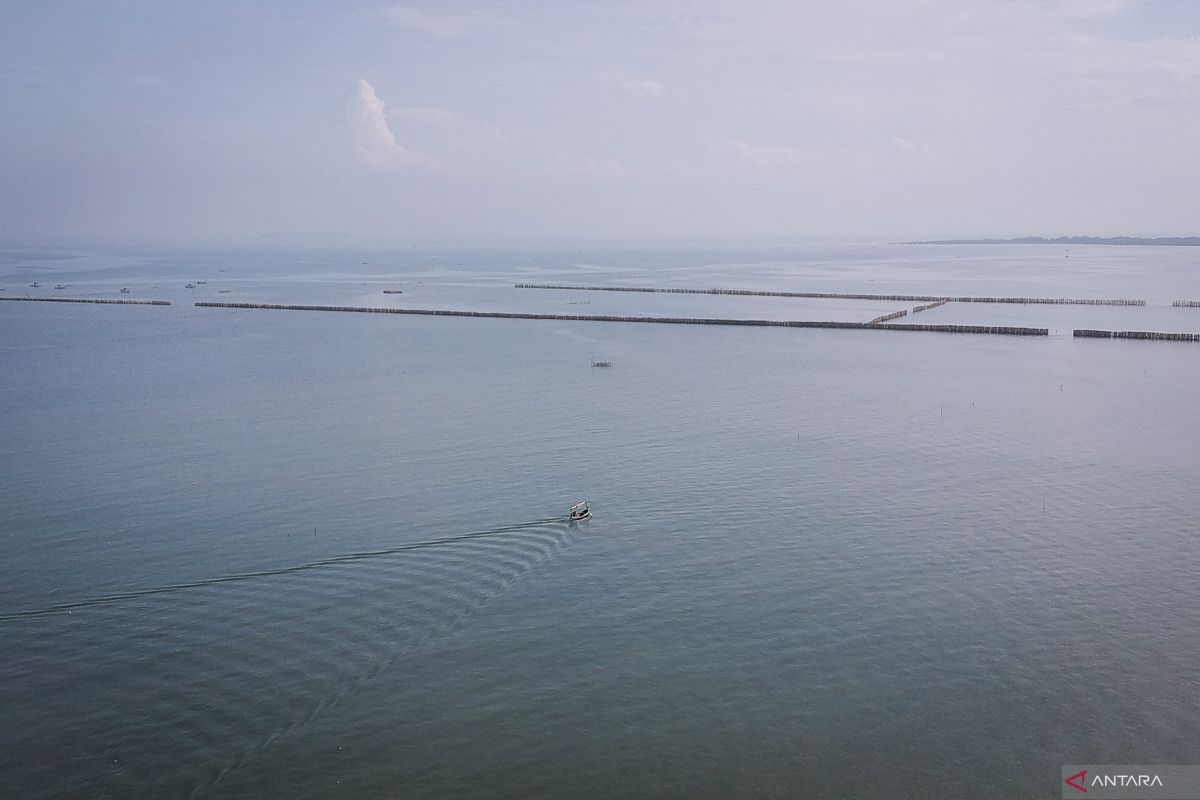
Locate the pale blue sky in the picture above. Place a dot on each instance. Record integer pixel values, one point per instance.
(714, 118)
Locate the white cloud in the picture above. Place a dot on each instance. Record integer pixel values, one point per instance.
(771, 155)
(1089, 9)
(425, 116)
(644, 88)
(593, 169)
(377, 143)
(497, 134)
(443, 26)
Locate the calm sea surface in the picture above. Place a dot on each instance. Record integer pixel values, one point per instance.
(237, 550)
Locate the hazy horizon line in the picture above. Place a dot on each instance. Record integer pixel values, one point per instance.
(336, 238)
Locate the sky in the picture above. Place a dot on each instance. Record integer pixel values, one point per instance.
(652, 119)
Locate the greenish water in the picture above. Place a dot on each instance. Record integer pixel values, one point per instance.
(822, 563)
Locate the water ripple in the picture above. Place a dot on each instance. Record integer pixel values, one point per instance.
(224, 667)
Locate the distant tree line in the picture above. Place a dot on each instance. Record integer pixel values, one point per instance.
(1162, 241)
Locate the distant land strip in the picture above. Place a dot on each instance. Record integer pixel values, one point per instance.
(992, 329)
(840, 295)
(1161, 241)
(96, 300)
(1154, 335)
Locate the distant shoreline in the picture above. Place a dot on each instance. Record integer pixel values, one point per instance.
(1162, 241)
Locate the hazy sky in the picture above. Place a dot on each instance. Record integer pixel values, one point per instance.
(717, 118)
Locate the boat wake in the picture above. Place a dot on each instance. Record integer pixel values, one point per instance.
(225, 667)
(245, 576)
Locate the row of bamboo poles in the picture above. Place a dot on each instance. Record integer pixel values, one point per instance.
(840, 295)
(927, 306)
(882, 318)
(993, 329)
(1156, 335)
(739, 292)
(1058, 301)
(90, 300)
(875, 323)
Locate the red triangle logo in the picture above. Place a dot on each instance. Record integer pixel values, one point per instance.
(1078, 776)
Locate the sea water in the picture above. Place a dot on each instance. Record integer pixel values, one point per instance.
(238, 550)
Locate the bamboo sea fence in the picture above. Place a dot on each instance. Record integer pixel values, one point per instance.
(979, 329)
(882, 318)
(1151, 335)
(1053, 301)
(927, 306)
(94, 300)
(735, 292)
(916, 298)
(1186, 304)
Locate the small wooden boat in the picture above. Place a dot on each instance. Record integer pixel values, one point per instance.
(190, 286)
(579, 511)
(125, 290)
(596, 363)
(60, 286)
